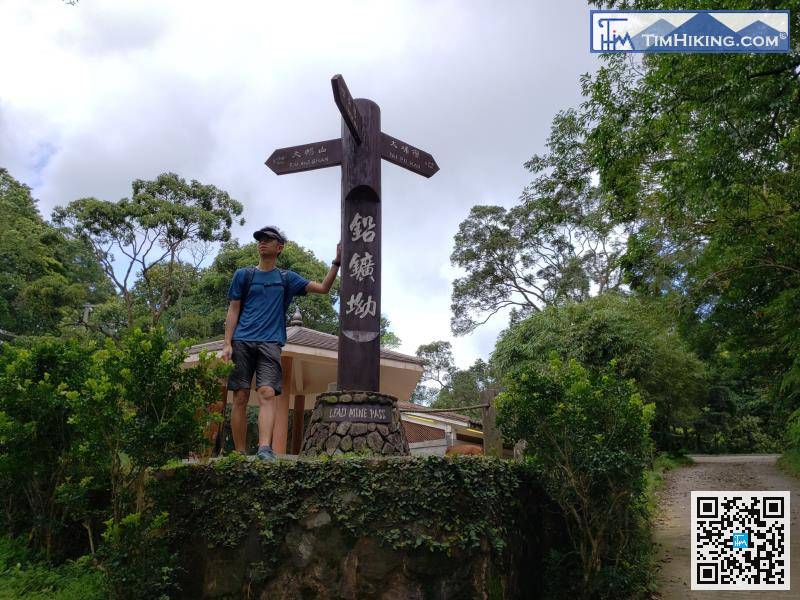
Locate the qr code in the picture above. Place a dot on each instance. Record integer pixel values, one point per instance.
(740, 540)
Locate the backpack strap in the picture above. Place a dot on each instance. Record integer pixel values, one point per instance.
(286, 301)
(249, 273)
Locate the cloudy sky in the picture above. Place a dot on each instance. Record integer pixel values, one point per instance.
(96, 95)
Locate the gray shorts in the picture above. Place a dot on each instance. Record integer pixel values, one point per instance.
(261, 358)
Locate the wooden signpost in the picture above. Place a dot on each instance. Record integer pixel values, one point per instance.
(306, 158)
(359, 152)
(347, 106)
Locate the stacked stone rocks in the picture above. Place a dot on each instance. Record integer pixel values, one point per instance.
(340, 437)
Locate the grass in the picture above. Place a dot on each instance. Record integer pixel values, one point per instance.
(22, 576)
(662, 463)
(654, 481)
(789, 463)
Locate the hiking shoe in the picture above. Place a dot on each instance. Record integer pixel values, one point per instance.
(266, 453)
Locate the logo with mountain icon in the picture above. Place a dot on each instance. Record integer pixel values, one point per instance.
(689, 31)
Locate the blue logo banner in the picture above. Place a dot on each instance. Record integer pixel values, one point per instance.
(707, 31)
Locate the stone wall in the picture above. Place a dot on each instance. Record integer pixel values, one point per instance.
(355, 422)
(387, 528)
(319, 560)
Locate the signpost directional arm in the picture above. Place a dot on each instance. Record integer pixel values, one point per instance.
(306, 157)
(347, 106)
(407, 156)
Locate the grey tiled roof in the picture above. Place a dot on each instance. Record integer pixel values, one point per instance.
(302, 336)
(407, 406)
(415, 432)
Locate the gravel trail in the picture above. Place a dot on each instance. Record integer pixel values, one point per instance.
(671, 524)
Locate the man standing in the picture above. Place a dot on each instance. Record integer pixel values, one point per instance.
(255, 331)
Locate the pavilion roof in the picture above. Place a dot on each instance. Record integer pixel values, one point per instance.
(410, 406)
(416, 432)
(303, 336)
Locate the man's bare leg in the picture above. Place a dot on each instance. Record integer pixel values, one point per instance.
(266, 415)
(239, 419)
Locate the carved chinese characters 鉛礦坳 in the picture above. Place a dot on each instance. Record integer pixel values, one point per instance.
(361, 267)
(361, 306)
(362, 228)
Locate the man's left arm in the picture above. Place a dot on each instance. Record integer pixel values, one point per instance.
(314, 287)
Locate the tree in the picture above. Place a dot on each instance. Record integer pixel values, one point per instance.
(438, 368)
(38, 439)
(139, 408)
(452, 387)
(699, 157)
(637, 334)
(676, 177)
(588, 440)
(554, 246)
(166, 220)
(465, 388)
(45, 278)
(181, 280)
(424, 395)
(389, 339)
(439, 363)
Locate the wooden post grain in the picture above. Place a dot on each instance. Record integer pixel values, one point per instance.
(492, 439)
(360, 304)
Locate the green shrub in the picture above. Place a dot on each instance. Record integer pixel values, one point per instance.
(21, 576)
(38, 438)
(636, 333)
(80, 426)
(789, 462)
(588, 440)
(137, 558)
(792, 435)
(139, 408)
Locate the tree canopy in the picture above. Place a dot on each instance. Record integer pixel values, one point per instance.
(165, 221)
(675, 180)
(698, 157)
(443, 385)
(557, 244)
(45, 277)
(637, 334)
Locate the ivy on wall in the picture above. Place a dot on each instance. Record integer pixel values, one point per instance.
(433, 503)
(445, 506)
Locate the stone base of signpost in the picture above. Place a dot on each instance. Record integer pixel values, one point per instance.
(345, 422)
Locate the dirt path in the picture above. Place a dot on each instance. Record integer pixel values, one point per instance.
(671, 525)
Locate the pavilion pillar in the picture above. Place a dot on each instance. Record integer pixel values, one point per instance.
(297, 423)
(214, 431)
(280, 430)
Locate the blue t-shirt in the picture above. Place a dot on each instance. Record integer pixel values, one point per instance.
(263, 319)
